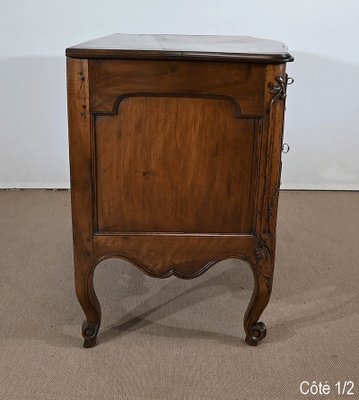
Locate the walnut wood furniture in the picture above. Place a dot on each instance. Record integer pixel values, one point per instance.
(175, 156)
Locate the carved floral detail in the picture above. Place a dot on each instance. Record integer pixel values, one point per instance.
(263, 256)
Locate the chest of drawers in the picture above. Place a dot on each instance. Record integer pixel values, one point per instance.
(175, 158)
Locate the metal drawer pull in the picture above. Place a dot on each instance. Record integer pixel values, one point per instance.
(290, 80)
(285, 148)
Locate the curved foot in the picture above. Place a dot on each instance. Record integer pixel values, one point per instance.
(262, 269)
(256, 333)
(84, 271)
(89, 333)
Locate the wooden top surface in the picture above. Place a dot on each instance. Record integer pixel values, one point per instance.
(169, 47)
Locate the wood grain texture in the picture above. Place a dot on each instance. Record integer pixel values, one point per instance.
(110, 80)
(161, 153)
(264, 259)
(183, 256)
(190, 47)
(175, 165)
(82, 195)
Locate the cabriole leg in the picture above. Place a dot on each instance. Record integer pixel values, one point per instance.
(85, 292)
(263, 277)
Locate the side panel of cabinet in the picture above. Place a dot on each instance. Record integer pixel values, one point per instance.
(175, 165)
(180, 157)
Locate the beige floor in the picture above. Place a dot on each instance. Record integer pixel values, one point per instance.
(174, 339)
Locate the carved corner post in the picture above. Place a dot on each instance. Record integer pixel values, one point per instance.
(262, 263)
(81, 195)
